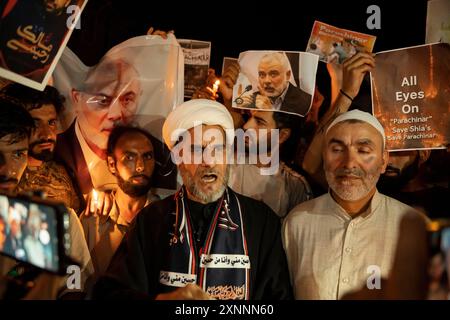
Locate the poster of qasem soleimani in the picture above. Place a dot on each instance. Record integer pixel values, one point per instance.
(33, 34)
(411, 96)
(282, 81)
(137, 82)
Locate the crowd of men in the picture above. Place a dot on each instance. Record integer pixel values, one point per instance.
(315, 228)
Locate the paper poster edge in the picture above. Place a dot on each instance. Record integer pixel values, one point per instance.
(357, 32)
(63, 46)
(12, 76)
(411, 47)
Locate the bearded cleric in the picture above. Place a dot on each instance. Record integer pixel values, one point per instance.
(206, 241)
(353, 228)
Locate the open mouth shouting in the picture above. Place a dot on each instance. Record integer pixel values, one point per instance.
(209, 177)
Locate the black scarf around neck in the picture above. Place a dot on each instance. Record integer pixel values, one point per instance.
(222, 265)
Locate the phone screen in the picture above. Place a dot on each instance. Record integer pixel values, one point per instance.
(28, 233)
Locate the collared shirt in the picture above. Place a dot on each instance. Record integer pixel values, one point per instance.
(103, 236)
(102, 178)
(330, 254)
(281, 191)
(278, 101)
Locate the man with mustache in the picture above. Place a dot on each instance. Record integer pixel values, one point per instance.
(408, 178)
(343, 234)
(275, 90)
(16, 127)
(43, 172)
(206, 241)
(283, 188)
(108, 97)
(131, 159)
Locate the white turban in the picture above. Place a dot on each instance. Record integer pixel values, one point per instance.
(193, 113)
(362, 116)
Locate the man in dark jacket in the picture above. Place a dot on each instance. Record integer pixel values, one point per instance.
(206, 241)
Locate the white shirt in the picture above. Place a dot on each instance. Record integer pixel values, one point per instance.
(101, 177)
(281, 191)
(329, 253)
(277, 103)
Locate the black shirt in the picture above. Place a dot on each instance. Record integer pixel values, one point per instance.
(201, 214)
(134, 270)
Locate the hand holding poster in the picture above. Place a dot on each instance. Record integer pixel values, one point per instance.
(335, 45)
(33, 35)
(276, 81)
(230, 73)
(197, 56)
(411, 96)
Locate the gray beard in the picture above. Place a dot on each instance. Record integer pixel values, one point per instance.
(352, 193)
(207, 198)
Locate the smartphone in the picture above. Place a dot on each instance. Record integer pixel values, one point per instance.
(36, 232)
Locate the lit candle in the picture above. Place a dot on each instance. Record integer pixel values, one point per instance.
(216, 86)
(94, 198)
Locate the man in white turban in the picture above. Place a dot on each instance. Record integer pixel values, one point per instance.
(346, 239)
(206, 241)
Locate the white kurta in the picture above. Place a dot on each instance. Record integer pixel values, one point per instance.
(329, 253)
(281, 191)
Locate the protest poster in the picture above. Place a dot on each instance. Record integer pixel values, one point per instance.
(281, 81)
(197, 55)
(137, 82)
(438, 21)
(411, 96)
(33, 35)
(335, 45)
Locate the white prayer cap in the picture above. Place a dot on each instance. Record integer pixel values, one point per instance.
(193, 113)
(362, 116)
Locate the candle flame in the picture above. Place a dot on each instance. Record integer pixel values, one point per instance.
(216, 86)
(94, 196)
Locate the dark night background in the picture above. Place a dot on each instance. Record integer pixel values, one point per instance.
(235, 26)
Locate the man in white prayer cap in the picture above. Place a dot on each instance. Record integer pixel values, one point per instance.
(206, 241)
(347, 238)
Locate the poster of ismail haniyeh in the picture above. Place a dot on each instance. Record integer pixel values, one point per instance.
(411, 96)
(281, 81)
(137, 82)
(33, 34)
